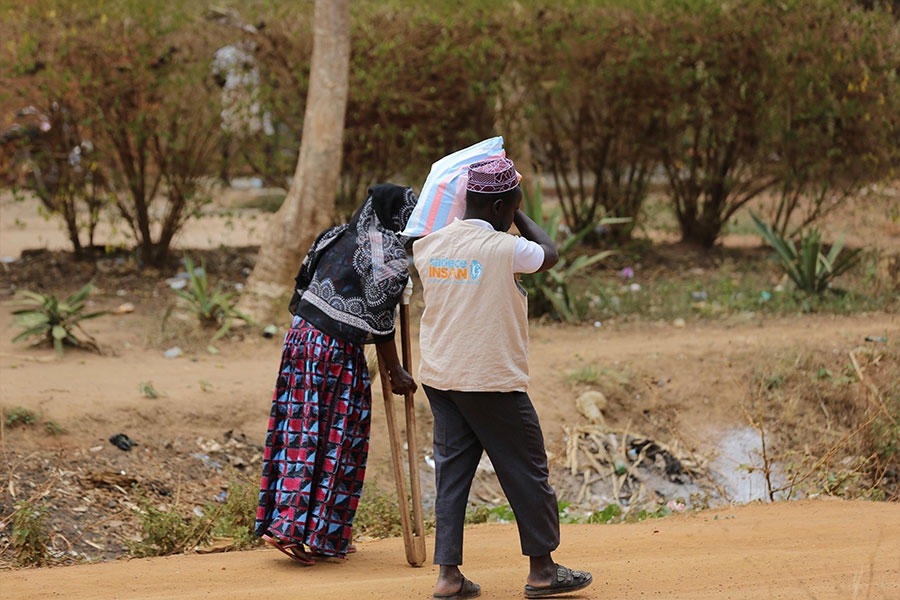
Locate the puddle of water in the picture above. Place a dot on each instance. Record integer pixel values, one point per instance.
(739, 465)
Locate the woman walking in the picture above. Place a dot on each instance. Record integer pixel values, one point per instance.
(317, 443)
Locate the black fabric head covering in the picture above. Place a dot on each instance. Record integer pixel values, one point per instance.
(353, 276)
(392, 204)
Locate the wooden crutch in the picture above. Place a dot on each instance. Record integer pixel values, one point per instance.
(413, 532)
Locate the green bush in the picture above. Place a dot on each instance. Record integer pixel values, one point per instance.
(418, 91)
(18, 415)
(884, 432)
(611, 513)
(549, 292)
(236, 519)
(30, 539)
(283, 50)
(708, 103)
(133, 79)
(717, 113)
(62, 168)
(378, 514)
(836, 109)
(164, 531)
(591, 108)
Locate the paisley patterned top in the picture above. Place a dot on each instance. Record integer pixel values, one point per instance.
(353, 276)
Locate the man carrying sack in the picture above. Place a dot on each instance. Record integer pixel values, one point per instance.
(474, 370)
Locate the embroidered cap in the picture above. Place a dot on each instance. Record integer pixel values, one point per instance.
(493, 176)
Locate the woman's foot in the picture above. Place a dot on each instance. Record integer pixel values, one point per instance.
(291, 549)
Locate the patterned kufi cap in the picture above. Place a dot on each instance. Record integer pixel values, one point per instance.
(493, 176)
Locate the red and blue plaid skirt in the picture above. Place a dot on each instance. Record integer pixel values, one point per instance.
(317, 443)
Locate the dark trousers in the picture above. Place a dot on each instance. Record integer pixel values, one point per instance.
(505, 425)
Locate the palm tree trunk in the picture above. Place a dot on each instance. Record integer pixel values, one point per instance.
(309, 205)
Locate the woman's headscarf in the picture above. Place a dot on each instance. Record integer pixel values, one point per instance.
(380, 258)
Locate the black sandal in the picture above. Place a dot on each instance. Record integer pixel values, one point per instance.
(467, 589)
(566, 581)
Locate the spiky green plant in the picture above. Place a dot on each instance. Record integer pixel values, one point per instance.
(549, 291)
(811, 270)
(47, 319)
(212, 308)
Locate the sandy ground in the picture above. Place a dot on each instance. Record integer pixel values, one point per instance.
(823, 550)
(807, 549)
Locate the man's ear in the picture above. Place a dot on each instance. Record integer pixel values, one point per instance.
(497, 207)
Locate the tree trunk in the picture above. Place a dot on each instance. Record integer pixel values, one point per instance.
(511, 123)
(309, 205)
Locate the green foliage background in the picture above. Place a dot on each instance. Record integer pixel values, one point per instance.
(710, 104)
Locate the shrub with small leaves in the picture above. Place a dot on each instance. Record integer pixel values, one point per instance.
(30, 539)
(147, 390)
(165, 532)
(236, 519)
(18, 415)
(610, 514)
(378, 514)
(53, 428)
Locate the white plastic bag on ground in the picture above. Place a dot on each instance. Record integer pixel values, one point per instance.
(443, 196)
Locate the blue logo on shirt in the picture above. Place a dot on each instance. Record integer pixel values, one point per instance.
(475, 269)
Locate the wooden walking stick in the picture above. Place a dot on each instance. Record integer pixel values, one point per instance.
(411, 437)
(413, 531)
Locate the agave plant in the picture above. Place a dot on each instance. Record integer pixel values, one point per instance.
(212, 308)
(549, 291)
(47, 319)
(808, 266)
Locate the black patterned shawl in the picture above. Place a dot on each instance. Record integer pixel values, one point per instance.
(353, 276)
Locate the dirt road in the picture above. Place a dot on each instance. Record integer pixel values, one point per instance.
(819, 550)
